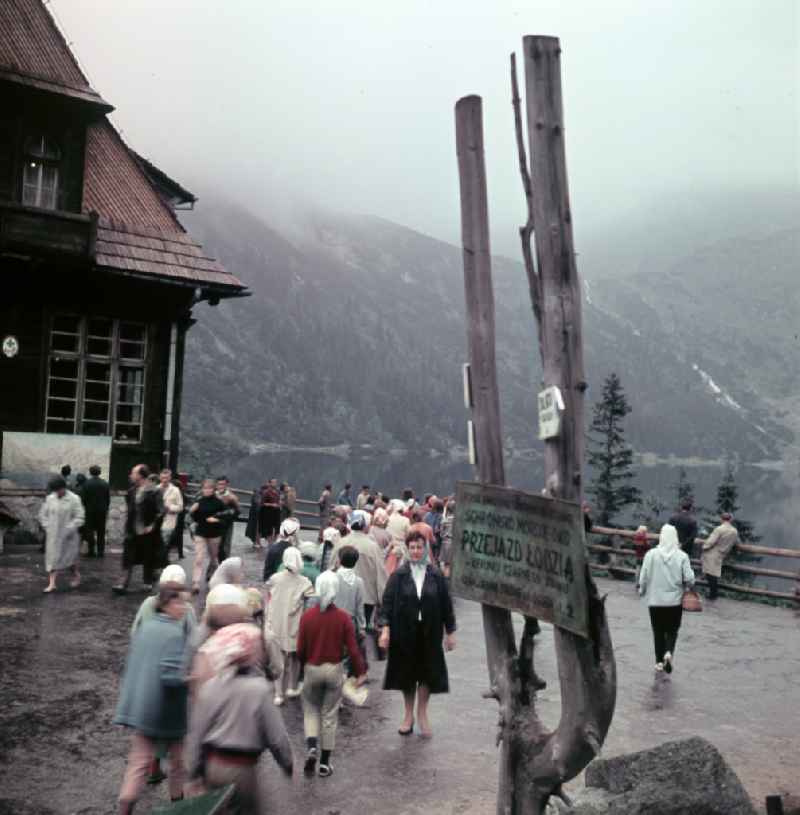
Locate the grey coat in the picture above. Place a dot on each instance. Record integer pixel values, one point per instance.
(154, 692)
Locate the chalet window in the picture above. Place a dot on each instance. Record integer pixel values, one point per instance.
(96, 377)
(40, 176)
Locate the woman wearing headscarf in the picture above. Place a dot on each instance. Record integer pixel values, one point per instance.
(173, 576)
(397, 526)
(61, 517)
(231, 570)
(288, 592)
(152, 700)
(233, 722)
(417, 614)
(289, 536)
(326, 633)
(665, 573)
(377, 529)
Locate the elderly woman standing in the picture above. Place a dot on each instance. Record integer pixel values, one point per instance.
(417, 614)
(61, 517)
(665, 573)
(326, 632)
(153, 698)
(288, 592)
(233, 721)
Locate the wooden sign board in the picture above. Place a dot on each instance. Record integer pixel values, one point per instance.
(519, 551)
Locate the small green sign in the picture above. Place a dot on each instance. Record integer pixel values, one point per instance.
(519, 551)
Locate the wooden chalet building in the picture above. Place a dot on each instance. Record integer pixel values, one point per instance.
(98, 276)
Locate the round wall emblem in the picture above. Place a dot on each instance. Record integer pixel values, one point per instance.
(10, 346)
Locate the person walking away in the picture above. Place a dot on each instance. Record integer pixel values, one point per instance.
(288, 592)
(309, 552)
(417, 615)
(715, 549)
(398, 527)
(377, 530)
(228, 497)
(433, 518)
(686, 525)
(61, 517)
(270, 518)
(363, 497)
(640, 548)
(231, 570)
(325, 633)
(324, 504)
(141, 545)
(206, 512)
(666, 572)
(344, 498)
(172, 577)
(96, 501)
(330, 542)
(446, 551)
(252, 532)
(171, 508)
(290, 530)
(369, 566)
(350, 597)
(153, 698)
(233, 721)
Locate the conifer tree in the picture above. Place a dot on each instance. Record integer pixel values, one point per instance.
(728, 501)
(684, 488)
(610, 458)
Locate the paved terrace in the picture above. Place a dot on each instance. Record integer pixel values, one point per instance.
(736, 683)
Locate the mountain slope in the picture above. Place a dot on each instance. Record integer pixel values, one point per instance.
(355, 335)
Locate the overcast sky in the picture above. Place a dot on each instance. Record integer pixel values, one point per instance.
(351, 103)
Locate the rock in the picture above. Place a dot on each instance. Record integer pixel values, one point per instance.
(676, 778)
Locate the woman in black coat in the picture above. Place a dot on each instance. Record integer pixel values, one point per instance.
(416, 612)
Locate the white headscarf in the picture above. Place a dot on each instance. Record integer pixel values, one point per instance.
(668, 541)
(229, 571)
(227, 594)
(309, 549)
(326, 587)
(292, 559)
(173, 574)
(396, 505)
(290, 527)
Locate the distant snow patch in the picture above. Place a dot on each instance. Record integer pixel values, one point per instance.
(587, 292)
(721, 397)
(406, 278)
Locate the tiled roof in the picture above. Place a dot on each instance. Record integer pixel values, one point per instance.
(115, 185)
(33, 51)
(163, 253)
(138, 231)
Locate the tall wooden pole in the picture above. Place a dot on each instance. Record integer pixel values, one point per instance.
(586, 667)
(497, 625)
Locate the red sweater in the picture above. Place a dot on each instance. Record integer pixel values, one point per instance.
(324, 635)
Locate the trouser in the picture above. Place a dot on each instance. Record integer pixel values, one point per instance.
(713, 586)
(291, 672)
(322, 695)
(206, 553)
(142, 752)
(246, 799)
(95, 534)
(166, 539)
(225, 544)
(665, 622)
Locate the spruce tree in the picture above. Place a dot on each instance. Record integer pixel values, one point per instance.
(684, 488)
(610, 458)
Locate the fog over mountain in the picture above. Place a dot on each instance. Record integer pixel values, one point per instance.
(355, 335)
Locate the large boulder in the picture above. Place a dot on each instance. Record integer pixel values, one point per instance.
(687, 777)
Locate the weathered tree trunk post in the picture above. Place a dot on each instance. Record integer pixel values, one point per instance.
(498, 628)
(534, 763)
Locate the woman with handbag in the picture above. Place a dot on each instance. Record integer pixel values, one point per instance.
(666, 573)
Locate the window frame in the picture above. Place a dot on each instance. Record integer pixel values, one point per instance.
(42, 161)
(115, 362)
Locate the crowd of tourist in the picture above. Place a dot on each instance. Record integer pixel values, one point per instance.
(211, 659)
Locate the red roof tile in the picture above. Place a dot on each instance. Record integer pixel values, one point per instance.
(32, 48)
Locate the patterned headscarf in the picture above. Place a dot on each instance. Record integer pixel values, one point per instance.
(233, 647)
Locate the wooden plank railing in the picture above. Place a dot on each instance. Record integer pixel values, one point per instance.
(742, 568)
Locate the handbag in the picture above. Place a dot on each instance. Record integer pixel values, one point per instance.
(691, 601)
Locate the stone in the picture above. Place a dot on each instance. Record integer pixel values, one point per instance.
(687, 777)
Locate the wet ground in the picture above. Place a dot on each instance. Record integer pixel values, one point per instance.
(736, 683)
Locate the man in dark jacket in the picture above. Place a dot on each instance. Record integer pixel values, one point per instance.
(686, 524)
(96, 496)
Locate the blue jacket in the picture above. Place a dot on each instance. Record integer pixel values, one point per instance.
(154, 691)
